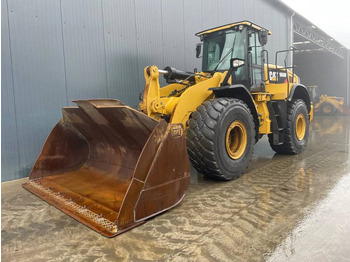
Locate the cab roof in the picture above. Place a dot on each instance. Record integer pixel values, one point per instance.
(223, 27)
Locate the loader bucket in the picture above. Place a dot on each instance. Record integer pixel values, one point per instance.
(110, 166)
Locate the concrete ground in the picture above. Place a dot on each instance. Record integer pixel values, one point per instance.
(284, 208)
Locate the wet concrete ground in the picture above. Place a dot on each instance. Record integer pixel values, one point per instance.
(284, 208)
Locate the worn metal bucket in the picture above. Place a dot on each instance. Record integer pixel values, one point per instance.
(110, 166)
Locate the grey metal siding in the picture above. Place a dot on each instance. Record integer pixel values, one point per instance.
(192, 24)
(173, 39)
(84, 49)
(237, 8)
(123, 74)
(224, 10)
(55, 51)
(9, 145)
(209, 14)
(38, 75)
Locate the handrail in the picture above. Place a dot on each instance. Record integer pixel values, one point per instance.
(290, 49)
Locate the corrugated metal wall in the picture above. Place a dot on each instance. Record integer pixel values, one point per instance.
(54, 51)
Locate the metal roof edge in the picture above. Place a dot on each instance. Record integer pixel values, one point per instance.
(298, 15)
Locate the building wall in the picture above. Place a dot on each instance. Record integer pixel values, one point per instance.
(54, 51)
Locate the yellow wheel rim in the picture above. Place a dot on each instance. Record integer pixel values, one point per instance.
(300, 127)
(327, 109)
(236, 139)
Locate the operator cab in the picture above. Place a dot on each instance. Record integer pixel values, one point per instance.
(314, 93)
(242, 42)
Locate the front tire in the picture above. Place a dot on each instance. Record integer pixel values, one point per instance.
(221, 138)
(296, 132)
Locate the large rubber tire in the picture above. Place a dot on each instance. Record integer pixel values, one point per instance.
(207, 135)
(292, 145)
(328, 109)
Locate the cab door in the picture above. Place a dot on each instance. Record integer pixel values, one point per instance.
(255, 62)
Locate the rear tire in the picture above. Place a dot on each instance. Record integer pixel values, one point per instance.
(328, 109)
(221, 138)
(296, 132)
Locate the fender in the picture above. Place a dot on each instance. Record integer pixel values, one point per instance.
(300, 91)
(240, 92)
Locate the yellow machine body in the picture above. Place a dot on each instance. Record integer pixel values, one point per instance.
(325, 104)
(159, 101)
(337, 102)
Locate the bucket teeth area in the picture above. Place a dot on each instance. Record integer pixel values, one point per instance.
(68, 204)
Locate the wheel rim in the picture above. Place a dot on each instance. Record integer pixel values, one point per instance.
(300, 127)
(327, 109)
(236, 139)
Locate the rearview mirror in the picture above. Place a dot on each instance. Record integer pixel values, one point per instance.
(198, 50)
(262, 35)
(236, 63)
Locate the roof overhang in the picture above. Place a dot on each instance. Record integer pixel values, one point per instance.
(306, 31)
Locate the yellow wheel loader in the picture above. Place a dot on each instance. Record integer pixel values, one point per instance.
(327, 105)
(112, 167)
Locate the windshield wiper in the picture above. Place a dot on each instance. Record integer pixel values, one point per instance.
(229, 52)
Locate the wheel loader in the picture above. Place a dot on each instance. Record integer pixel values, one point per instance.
(325, 104)
(112, 167)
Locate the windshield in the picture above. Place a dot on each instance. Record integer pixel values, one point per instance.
(219, 48)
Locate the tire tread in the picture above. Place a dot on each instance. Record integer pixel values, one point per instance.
(201, 135)
(287, 147)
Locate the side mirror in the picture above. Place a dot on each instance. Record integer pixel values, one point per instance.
(236, 63)
(262, 35)
(199, 50)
